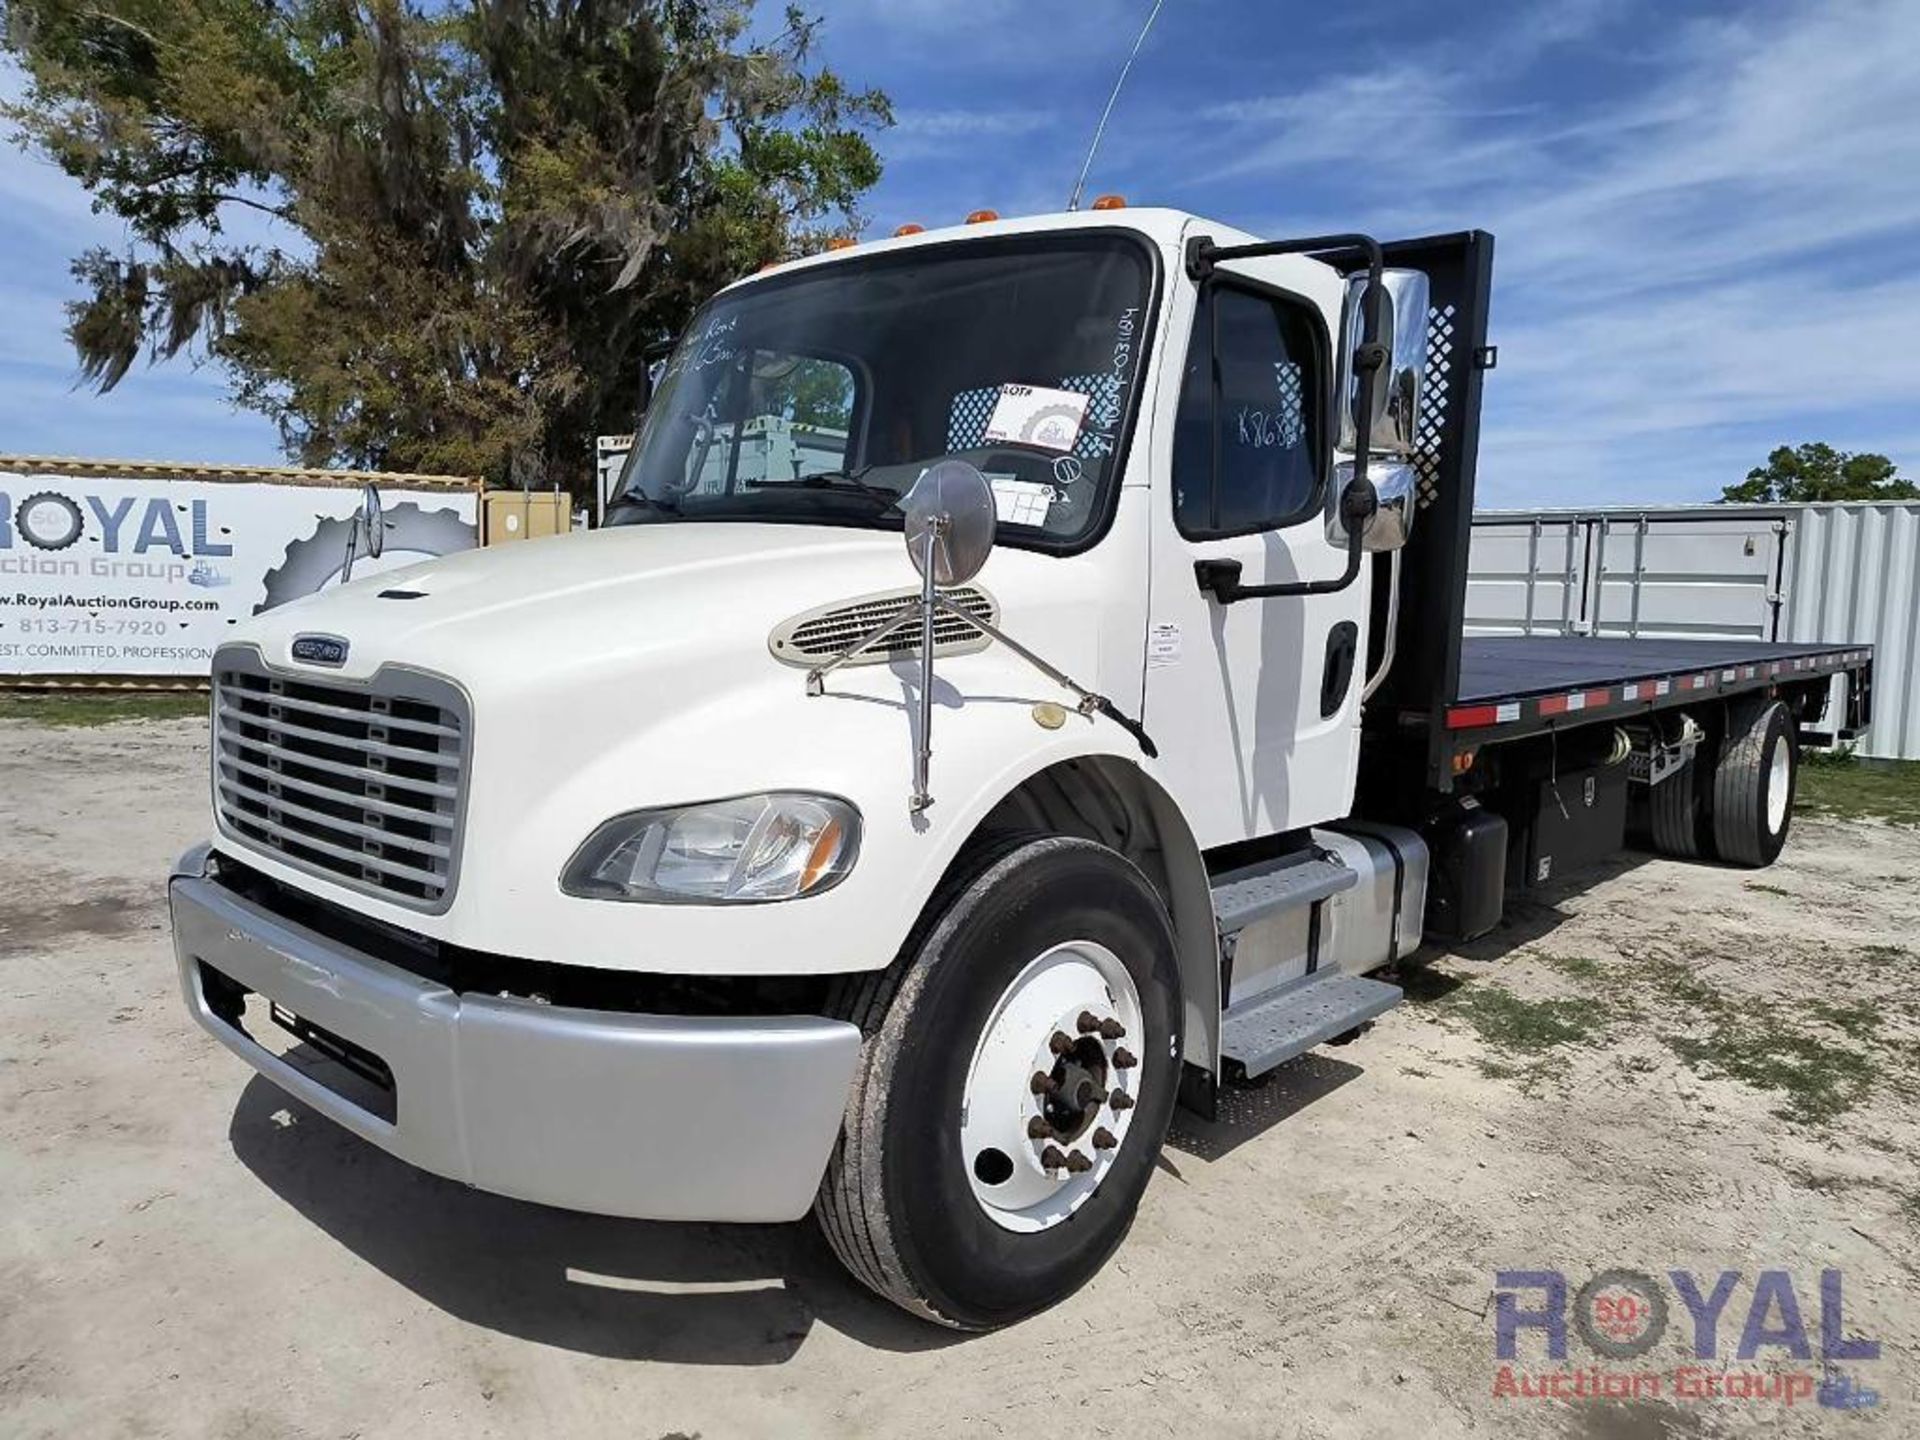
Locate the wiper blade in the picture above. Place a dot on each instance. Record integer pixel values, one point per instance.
(839, 482)
(644, 501)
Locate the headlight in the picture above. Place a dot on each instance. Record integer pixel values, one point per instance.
(757, 847)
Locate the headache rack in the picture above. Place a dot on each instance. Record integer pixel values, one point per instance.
(359, 782)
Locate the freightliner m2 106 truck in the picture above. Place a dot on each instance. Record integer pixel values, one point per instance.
(897, 825)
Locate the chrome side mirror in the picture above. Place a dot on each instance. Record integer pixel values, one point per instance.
(1403, 328)
(1397, 488)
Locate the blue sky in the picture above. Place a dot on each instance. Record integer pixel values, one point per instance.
(1708, 216)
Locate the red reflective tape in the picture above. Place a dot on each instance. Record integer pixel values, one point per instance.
(1595, 699)
(1468, 717)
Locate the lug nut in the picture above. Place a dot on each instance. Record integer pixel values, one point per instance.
(1039, 1129)
(1053, 1157)
(1112, 1030)
(1103, 1139)
(1060, 1043)
(1078, 1164)
(1123, 1059)
(1043, 1083)
(1120, 1100)
(1088, 1022)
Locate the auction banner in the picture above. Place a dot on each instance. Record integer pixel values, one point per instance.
(101, 575)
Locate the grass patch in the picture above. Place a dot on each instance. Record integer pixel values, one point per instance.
(1818, 1081)
(1842, 787)
(1781, 1049)
(100, 707)
(1524, 1037)
(1577, 967)
(1762, 888)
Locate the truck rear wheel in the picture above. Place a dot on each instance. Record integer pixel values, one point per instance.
(1673, 811)
(1753, 783)
(1020, 1069)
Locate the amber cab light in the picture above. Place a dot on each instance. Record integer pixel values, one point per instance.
(980, 217)
(1110, 202)
(910, 229)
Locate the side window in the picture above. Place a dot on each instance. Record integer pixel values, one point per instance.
(1266, 412)
(776, 417)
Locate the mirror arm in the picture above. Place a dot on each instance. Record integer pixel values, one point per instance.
(1090, 702)
(1221, 578)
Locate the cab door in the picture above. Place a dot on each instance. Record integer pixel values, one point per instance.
(1255, 704)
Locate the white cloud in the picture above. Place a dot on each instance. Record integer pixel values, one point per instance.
(1685, 275)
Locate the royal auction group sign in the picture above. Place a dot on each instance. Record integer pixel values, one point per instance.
(105, 574)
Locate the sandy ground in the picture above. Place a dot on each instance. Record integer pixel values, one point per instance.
(186, 1252)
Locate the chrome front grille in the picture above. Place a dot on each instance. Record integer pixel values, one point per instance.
(822, 633)
(361, 783)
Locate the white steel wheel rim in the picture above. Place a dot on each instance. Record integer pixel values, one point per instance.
(1003, 1152)
(1779, 767)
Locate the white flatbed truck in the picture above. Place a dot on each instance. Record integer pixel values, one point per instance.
(716, 865)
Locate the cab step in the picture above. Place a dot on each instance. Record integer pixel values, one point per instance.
(1254, 892)
(1273, 1028)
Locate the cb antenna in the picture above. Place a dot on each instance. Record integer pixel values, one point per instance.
(1073, 200)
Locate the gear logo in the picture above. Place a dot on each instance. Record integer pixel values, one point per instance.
(1620, 1313)
(48, 521)
(315, 561)
(1053, 427)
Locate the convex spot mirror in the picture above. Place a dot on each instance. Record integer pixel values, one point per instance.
(1396, 485)
(373, 523)
(953, 501)
(1396, 396)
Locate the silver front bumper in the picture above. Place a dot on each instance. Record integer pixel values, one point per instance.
(653, 1117)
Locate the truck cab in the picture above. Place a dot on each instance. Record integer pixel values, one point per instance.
(720, 864)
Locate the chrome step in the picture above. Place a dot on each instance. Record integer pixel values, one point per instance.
(1254, 892)
(1275, 1027)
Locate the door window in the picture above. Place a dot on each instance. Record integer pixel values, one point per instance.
(1250, 398)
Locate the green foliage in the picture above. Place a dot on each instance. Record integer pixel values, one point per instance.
(1843, 787)
(482, 214)
(86, 708)
(1816, 472)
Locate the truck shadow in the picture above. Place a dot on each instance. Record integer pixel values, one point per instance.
(1249, 1109)
(622, 1289)
(1536, 913)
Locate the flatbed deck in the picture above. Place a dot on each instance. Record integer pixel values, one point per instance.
(1514, 683)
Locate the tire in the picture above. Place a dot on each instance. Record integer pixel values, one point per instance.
(1673, 811)
(1754, 778)
(899, 1203)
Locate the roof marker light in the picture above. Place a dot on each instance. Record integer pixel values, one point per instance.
(842, 242)
(980, 217)
(1110, 202)
(910, 229)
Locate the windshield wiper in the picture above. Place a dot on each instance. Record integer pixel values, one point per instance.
(839, 482)
(643, 501)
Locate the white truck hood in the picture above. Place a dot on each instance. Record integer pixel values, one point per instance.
(626, 668)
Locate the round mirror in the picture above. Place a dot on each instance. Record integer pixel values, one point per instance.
(954, 502)
(373, 525)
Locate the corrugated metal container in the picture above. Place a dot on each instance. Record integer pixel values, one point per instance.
(1853, 573)
(1813, 573)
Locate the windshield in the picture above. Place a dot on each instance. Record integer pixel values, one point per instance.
(822, 398)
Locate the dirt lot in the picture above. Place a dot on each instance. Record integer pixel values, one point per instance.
(1668, 1067)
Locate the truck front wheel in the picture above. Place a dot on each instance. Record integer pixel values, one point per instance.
(1753, 784)
(1019, 1073)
